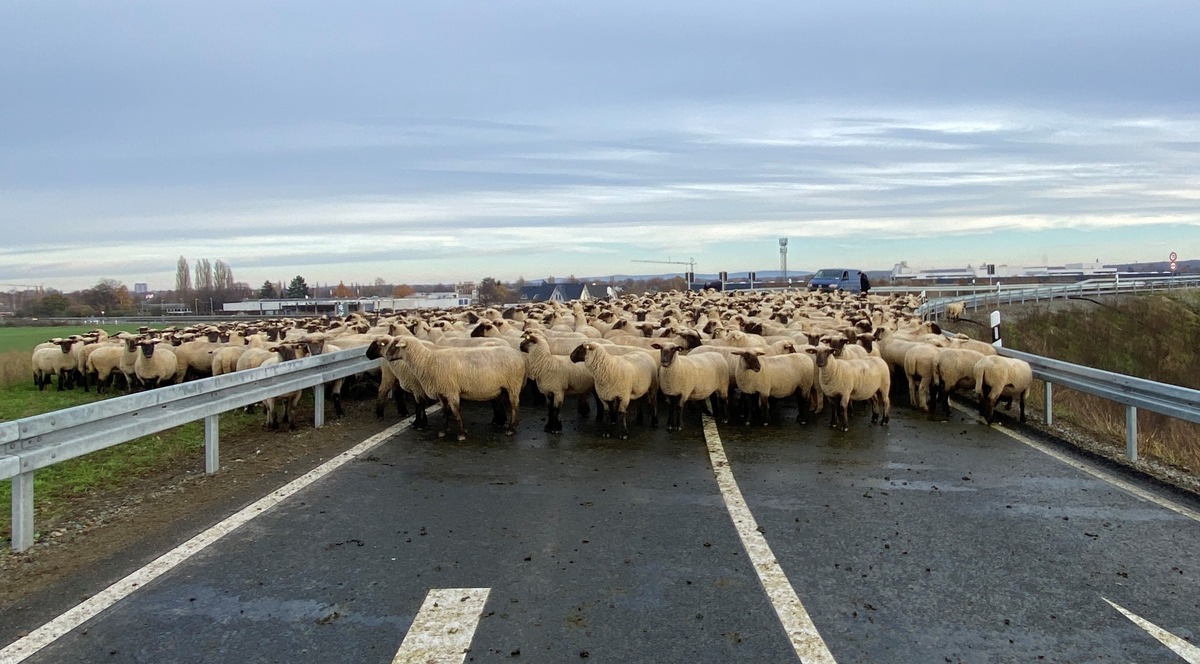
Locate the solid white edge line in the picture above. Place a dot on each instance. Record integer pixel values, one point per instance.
(19, 650)
(1128, 487)
(442, 630)
(1187, 651)
(806, 641)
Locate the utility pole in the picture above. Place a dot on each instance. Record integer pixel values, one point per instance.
(691, 263)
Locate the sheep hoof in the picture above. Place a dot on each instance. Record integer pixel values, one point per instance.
(441, 434)
(510, 432)
(462, 437)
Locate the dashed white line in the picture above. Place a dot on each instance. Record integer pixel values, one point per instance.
(443, 629)
(806, 641)
(43, 636)
(1094, 472)
(1189, 652)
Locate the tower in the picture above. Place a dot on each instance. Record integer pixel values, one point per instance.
(783, 257)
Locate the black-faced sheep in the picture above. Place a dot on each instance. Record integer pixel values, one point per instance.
(155, 365)
(685, 378)
(479, 373)
(56, 359)
(619, 380)
(557, 377)
(761, 377)
(844, 381)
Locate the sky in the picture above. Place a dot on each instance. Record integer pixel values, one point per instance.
(455, 140)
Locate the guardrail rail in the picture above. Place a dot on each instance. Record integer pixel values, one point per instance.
(32, 443)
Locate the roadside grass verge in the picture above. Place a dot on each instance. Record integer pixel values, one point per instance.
(1153, 337)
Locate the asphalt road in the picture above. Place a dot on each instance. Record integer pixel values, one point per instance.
(917, 542)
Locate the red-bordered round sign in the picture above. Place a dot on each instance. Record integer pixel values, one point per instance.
(1173, 266)
(1173, 256)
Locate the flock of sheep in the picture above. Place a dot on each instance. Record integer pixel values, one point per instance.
(738, 352)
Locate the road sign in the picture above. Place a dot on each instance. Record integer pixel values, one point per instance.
(1173, 256)
(1173, 266)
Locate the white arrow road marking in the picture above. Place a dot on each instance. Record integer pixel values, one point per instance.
(1189, 652)
(19, 650)
(442, 631)
(806, 641)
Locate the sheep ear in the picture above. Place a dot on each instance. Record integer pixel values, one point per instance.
(656, 346)
(810, 350)
(933, 327)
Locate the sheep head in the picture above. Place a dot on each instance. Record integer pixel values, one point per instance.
(750, 358)
(581, 352)
(667, 351)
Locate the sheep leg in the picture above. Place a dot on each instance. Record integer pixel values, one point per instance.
(611, 410)
(801, 408)
(455, 408)
(764, 408)
(498, 410)
(885, 406)
(553, 425)
(623, 405)
(336, 398)
(582, 407)
(677, 411)
(1022, 402)
(514, 410)
(421, 419)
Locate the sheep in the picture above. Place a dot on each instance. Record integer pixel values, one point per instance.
(155, 365)
(955, 370)
(54, 360)
(954, 310)
(105, 362)
(556, 377)
(999, 377)
(620, 379)
(397, 378)
(858, 380)
(920, 364)
(473, 373)
(779, 376)
(282, 408)
(685, 378)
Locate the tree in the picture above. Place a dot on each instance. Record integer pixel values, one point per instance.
(402, 290)
(342, 290)
(298, 288)
(109, 296)
(267, 291)
(222, 277)
(550, 280)
(204, 276)
(492, 292)
(183, 278)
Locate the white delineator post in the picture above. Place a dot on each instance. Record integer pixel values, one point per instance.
(995, 320)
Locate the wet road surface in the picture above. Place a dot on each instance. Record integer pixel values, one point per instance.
(922, 541)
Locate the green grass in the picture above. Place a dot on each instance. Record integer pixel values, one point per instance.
(25, 338)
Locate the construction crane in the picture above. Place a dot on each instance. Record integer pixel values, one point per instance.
(691, 263)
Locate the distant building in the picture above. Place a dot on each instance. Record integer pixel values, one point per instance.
(901, 272)
(344, 306)
(141, 288)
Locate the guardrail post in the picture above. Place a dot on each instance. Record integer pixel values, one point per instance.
(318, 406)
(212, 443)
(1049, 399)
(22, 511)
(1131, 442)
(995, 320)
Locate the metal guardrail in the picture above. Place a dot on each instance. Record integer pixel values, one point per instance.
(978, 297)
(32, 443)
(1179, 402)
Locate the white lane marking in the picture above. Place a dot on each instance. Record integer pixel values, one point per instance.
(442, 631)
(1189, 652)
(806, 641)
(43, 636)
(1094, 472)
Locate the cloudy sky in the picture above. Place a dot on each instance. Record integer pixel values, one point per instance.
(444, 141)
